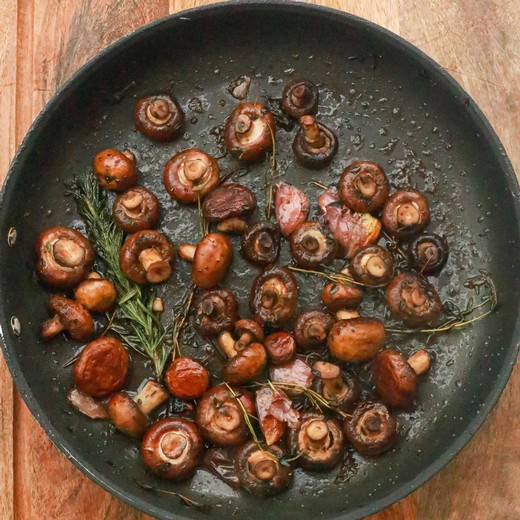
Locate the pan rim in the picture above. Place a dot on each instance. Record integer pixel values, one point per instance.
(400, 44)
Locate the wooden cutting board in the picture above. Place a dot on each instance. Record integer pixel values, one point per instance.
(42, 42)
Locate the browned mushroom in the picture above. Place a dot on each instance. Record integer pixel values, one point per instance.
(246, 364)
(65, 257)
(395, 377)
(250, 132)
(135, 210)
(158, 117)
(210, 258)
(115, 170)
(295, 373)
(96, 295)
(235, 225)
(186, 378)
(405, 214)
(338, 296)
(414, 300)
(215, 312)
(311, 329)
(291, 207)
(315, 144)
(311, 246)
(300, 97)
(342, 389)
(221, 418)
(260, 471)
(371, 429)
(261, 243)
(373, 266)
(228, 202)
(280, 347)
(172, 448)
(363, 187)
(102, 367)
(274, 295)
(69, 317)
(428, 253)
(357, 339)
(147, 256)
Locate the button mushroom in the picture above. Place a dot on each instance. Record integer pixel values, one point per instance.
(115, 170)
(280, 347)
(338, 296)
(250, 132)
(190, 175)
(414, 300)
(357, 339)
(405, 214)
(300, 97)
(158, 117)
(311, 329)
(69, 317)
(395, 377)
(371, 429)
(291, 207)
(186, 378)
(260, 471)
(373, 266)
(135, 210)
(228, 202)
(172, 448)
(147, 256)
(215, 312)
(65, 257)
(96, 295)
(102, 367)
(274, 295)
(311, 246)
(261, 243)
(428, 253)
(342, 389)
(315, 144)
(363, 187)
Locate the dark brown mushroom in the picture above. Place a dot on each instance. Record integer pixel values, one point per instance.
(342, 389)
(373, 266)
(261, 243)
(261, 471)
(300, 97)
(414, 300)
(172, 448)
(356, 340)
(371, 429)
(363, 187)
(311, 329)
(235, 225)
(102, 367)
(96, 295)
(428, 253)
(291, 207)
(65, 257)
(115, 170)
(405, 214)
(186, 378)
(135, 210)
(228, 201)
(395, 378)
(147, 256)
(248, 331)
(158, 117)
(314, 144)
(274, 295)
(250, 132)
(338, 296)
(215, 312)
(312, 246)
(69, 317)
(280, 347)
(221, 418)
(190, 175)
(296, 373)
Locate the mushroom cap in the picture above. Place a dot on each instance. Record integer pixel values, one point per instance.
(246, 365)
(170, 122)
(126, 416)
(215, 312)
(339, 296)
(228, 201)
(405, 214)
(261, 243)
(114, 170)
(309, 156)
(212, 259)
(311, 329)
(428, 253)
(136, 209)
(96, 295)
(74, 318)
(186, 378)
(251, 327)
(373, 266)
(312, 246)
(280, 347)
(300, 97)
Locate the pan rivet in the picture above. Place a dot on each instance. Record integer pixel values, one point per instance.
(11, 236)
(16, 326)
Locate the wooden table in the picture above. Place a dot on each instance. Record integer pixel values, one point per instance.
(42, 42)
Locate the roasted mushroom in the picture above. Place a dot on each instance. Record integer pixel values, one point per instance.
(405, 214)
(190, 175)
(414, 300)
(395, 377)
(102, 367)
(373, 266)
(428, 253)
(291, 207)
(261, 471)
(357, 339)
(221, 418)
(250, 132)
(280, 347)
(371, 429)
(115, 170)
(96, 295)
(311, 329)
(338, 296)
(261, 243)
(69, 317)
(315, 144)
(274, 295)
(158, 117)
(210, 259)
(228, 202)
(186, 378)
(342, 389)
(363, 187)
(215, 312)
(172, 448)
(65, 257)
(296, 373)
(300, 97)
(311, 246)
(135, 210)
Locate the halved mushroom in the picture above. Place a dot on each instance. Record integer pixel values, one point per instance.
(300, 97)
(172, 448)
(69, 317)
(405, 214)
(215, 312)
(261, 243)
(342, 389)
(291, 207)
(311, 246)
(428, 253)
(338, 296)
(65, 257)
(373, 266)
(280, 347)
(158, 117)
(96, 295)
(311, 329)
(227, 202)
(135, 210)
(115, 170)
(186, 378)
(147, 256)
(315, 144)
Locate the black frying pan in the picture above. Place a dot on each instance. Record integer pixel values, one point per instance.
(390, 103)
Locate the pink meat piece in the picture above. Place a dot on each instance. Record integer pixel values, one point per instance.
(278, 405)
(291, 207)
(87, 405)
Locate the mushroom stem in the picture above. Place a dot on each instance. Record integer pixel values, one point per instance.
(195, 169)
(187, 252)
(158, 304)
(227, 343)
(243, 124)
(157, 269)
(408, 214)
(158, 111)
(263, 465)
(300, 95)
(232, 225)
(129, 155)
(420, 362)
(150, 397)
(68, 253)
(243, 341)
(312, 132)
(132, 201)
(52, 327)
(317, 430)
(346, 314)
(148, 257)
(327, 370)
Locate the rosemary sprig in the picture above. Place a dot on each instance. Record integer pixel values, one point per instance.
(269, 179)
(332, 276)
(203, 223)
(181, 315)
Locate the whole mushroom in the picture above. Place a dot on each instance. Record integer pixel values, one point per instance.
(311, 329)
(342, 389)
(338, 296)
(428, 253)
(373, 266)
(315, 144)
(311, 246)
(69, 317)
(96, 294)
(405, 214)
(135, 210)
(280, 347)
(300, 97)
(186, 378)
(261, 243)
(115, 170)
(158, 117)
(215, 312)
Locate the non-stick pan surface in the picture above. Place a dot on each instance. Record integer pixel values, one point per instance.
(389, 103)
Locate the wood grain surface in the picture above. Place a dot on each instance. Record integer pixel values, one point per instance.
(42, 42)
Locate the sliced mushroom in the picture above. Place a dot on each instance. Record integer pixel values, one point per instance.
(69, 317)
(280, 347)
(311, 329)
(228, 201)
(186, 378)
(96, 295)
(428, 253)
(215, 312)
(158, 117)
(342, 389)
(135, 210)
(115, 170)
(338, 296)
(311, 246)
(405, 214)
(300, 97)
(291, 207)
(315, 144)
(373, 266)
(261, 243)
